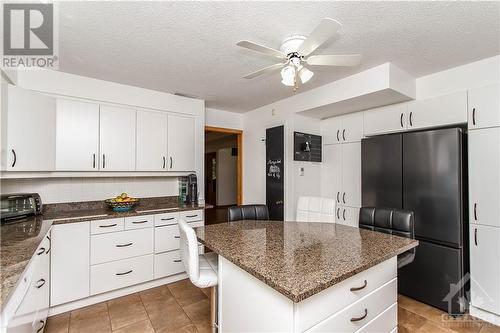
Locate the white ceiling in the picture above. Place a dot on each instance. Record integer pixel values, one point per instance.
(189, 47)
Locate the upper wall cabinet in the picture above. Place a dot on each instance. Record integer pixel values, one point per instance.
(31, 133)
(117, 139)
(181, 145)
(439, 111)
(343, 129)
(152, 147)
(77, 136)
(387, 119)
(484, 107)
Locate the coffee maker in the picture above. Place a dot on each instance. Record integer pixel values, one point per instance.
(192, 189)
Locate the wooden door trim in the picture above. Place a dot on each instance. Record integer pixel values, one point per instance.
(239, 139)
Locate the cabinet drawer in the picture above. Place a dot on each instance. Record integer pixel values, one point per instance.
(105, 226)
(384, 322)
(138, 222)
(192, 215)
(330, 301)
(166, 219)
(120, 245)
(167, 264)
(361, 312)
(119, 274)
(166, 238)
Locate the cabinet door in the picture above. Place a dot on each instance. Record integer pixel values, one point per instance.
(484, 176)
(31, 131)
(70, 262)
(181, 143)
(439, 111)
(77, 136)
(331, 130)
(352, 127)
(151, 141)
(387, 119)
(351, 174)
(347, 215)
(331, 169)
(117, 139)
(485, 267)
(484, 107)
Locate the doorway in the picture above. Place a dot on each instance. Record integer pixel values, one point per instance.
(223, 172)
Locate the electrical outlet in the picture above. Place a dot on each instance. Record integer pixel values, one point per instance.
(301, 172)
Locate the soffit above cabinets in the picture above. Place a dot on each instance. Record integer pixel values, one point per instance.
(382, 85)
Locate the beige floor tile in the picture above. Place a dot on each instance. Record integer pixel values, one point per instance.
(489, 328)
(91, 319)
(143, 326)
(126, 310)
(462, 324)
(423, 310)
(199, 313)
(430, 327)
(206, 291)
(186, 329)
(58, 323)
(409, 321)
(186, 293)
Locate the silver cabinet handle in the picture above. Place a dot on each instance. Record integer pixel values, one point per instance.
(164, 162)
(360, 318)
(177, 237)
(15, 158)
(473, 116)
(411, 114)
(40, 251)
(93, 161)
(343, 197)
(171, 161)
(125, 273)
(197, 215)
(343, 134)
(338, 213)
(103, 161)
(338, 132)
(41, 327)
(475, 236)
(124, 245)
(168, 219)
(338, 200)
(139, 222)
(177, 260)
(401, 120)
(359, 288)
(343, 214)
(39, 284)
(475, 211)
(108, 225)
(50, 245)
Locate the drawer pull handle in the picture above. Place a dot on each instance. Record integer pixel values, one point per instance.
(177, 236)
(125, 273)
(190, 216)
(360, 318)
(177, 260)
(168, 219)
(41, 327)
(124, 245)
(39, 284)
(108, 225)
(359, 288)
(40, 251)
(139, 222)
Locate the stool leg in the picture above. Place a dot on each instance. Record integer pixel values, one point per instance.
(213, 308)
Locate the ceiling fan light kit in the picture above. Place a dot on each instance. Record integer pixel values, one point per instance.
(296, 51)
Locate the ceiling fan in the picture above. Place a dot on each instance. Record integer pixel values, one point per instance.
(295, 52)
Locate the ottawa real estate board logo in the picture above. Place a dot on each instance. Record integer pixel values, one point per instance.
(29, 35)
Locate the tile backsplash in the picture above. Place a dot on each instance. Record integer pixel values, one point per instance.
(55, 190)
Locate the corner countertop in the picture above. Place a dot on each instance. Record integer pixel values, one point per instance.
(19, 240)
(300, 259)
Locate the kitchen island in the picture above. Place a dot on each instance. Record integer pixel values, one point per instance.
(304, 277)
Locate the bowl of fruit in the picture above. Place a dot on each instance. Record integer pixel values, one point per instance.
(122, 203)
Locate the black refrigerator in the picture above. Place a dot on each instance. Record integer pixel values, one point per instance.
(425, 172)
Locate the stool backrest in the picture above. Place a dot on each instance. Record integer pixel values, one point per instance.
(391, 221)
(189, 250)
(247, 212)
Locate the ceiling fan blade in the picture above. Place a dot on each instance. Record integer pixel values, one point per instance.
(261, 48)
(334, 60)
(264, 70)
(324, 31)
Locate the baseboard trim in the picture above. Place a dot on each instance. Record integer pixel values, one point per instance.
(485, 315)
(113, 294)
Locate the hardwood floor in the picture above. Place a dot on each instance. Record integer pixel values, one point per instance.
(181, 307)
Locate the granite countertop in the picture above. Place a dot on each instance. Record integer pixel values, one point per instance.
(300, 259)
(19, 240)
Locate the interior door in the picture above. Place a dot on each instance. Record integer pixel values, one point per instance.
(211, 178)
(117, 139)
(151, 141)
(181, 143)
(275, 167)
(351, 174)
(77, 136)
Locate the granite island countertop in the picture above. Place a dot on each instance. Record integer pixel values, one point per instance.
(300, 259)
(19, 240)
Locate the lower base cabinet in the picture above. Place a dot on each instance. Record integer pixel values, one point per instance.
(167, 264)
(347, 216)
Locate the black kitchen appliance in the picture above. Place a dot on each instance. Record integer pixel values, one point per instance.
(192, 190)
(20, 205)
(425, 172)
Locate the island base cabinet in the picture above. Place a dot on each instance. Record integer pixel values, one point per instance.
(168, 263)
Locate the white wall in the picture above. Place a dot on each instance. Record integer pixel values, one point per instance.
(224, 119)
(226, 177)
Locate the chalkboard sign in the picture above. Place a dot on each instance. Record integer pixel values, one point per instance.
(307, 147)
(275, 167)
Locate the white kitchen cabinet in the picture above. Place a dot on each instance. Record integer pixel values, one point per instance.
(31, 131)
(330, 130)
(168, 263)
(352, 127)
(386, 119)
(485, 267)
(331, 172)
(347, 215)
(484, 176)
(152, 146)
(484, 107)
(117, 138)
(77, 136)
(351, 174)
(439, 111)
(181, 143)
(70, 262)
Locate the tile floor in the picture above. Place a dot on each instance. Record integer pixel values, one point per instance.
(182, 308)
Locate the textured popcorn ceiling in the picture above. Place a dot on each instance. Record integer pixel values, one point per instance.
(189, 47)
